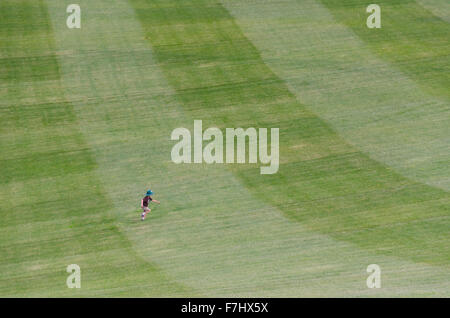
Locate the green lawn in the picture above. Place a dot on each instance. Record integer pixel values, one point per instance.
(85, 124)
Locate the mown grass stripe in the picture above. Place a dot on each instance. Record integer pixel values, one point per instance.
(411, 38)
(369, 101)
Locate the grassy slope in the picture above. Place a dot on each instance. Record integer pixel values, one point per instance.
(54, 210)
(344, 83)
(215, 231)
(388, 114)
(238, 246)
(323, 182)
(411, 37)
(416, 42)
(210, 232)
(210, 260)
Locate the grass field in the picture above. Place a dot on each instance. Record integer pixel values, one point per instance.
(86, 117)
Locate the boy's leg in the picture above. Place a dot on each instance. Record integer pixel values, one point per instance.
(146, 210)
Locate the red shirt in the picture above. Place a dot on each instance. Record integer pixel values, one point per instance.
(146, 200)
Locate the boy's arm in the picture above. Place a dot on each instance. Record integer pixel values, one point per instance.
(156, 201)
(142, 203)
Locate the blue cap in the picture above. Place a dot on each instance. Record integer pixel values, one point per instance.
(149, 192)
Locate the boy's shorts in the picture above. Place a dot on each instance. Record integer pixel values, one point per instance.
(146, 209)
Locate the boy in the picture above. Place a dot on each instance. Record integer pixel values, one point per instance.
(144, 204)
